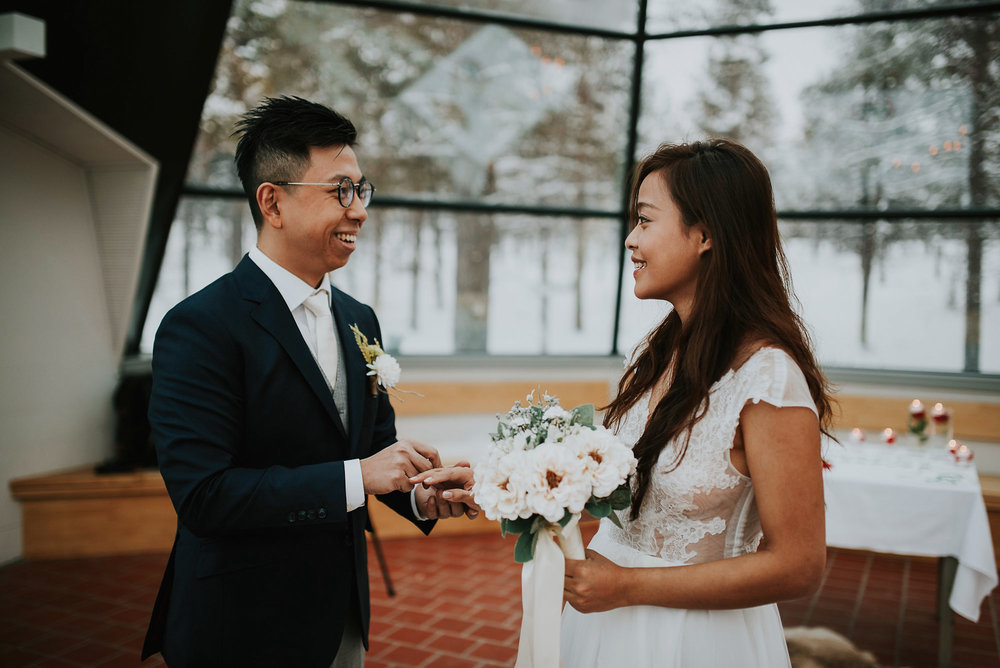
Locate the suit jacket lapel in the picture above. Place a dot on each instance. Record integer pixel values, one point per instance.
(273, 315)
(354, 366)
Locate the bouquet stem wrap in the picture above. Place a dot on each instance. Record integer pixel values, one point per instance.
(542, 593)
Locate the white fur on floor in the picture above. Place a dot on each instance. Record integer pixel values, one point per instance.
(818, 647)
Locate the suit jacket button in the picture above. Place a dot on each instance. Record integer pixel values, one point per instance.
(311, 515)
(302, 514)
(291, 517)
(321, 513)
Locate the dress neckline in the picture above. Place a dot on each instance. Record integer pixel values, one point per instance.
(723, 379)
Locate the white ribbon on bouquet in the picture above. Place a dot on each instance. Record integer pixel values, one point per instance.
(542, 594)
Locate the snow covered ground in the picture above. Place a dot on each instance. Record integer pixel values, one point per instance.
(916, 315)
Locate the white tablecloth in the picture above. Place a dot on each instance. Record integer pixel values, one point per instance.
(903, 500)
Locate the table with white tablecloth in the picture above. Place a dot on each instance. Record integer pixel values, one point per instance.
(913, 500)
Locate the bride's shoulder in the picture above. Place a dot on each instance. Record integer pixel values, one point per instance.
(756, 349)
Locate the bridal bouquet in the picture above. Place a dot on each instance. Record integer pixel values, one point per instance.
(545, 466)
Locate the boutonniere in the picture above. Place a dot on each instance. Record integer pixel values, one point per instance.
(383, 369)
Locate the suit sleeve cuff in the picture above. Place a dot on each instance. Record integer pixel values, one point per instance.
(413, 506)
(354, 484)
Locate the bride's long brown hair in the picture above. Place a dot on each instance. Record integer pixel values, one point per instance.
(743, 295)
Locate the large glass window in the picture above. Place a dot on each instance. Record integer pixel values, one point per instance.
(500, 133)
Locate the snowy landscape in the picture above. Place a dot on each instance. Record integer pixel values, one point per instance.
(870, 116)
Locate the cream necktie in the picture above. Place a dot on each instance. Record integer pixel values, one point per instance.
(318, 304)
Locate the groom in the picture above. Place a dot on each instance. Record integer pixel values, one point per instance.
(268, 434)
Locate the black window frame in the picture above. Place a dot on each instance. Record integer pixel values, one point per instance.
(639, 38)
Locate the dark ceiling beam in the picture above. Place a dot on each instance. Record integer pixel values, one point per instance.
(144, 69)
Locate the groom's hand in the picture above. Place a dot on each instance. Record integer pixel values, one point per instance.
(390, 469)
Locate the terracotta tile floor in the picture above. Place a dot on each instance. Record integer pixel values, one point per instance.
(457, 604)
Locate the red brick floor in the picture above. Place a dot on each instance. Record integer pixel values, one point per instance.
(457, 604)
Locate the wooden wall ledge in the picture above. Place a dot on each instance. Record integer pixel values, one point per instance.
(84, 483)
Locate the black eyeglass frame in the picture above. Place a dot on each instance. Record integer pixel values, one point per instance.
(346, 189)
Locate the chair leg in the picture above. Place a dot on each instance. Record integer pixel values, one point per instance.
(383, 566)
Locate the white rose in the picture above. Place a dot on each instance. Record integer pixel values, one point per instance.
(607, 461)
(497, 489)
(555, 480)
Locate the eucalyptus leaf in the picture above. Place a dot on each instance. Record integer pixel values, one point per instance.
(614, 518)
(583, 415)
(524, 549)
(598, 508)
(567, 516)
(519, 525)
(620, 498)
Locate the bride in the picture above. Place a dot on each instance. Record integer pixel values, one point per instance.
(723, 405)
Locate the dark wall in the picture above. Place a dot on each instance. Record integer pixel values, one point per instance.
(143, 68)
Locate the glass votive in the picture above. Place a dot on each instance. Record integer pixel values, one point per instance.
(963, 455)
(857, 435)
(888, 435)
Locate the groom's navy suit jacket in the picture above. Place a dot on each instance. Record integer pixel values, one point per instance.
(267, 563)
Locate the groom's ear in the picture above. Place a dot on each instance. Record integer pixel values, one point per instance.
(268, 197)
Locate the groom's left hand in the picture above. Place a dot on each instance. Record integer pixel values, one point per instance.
(593, 584)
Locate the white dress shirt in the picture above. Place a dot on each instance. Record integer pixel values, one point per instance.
(295, 291)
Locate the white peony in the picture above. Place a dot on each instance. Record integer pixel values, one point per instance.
(606, 460)
(499, 489)
(556, 481)
(386, 370)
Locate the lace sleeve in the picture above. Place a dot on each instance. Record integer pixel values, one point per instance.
(779, 381)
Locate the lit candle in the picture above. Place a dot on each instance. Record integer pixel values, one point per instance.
(888, 435)
(953, 446)
(939, 414)
(857, 435)
(917, 409)
(963, 455)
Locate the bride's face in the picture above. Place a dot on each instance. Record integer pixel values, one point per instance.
(666, 252)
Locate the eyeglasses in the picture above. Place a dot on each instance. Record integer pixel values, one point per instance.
(345, 189)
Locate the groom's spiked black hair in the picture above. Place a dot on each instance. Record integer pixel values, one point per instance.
(275, 138)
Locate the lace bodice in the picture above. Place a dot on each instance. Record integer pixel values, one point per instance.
(704, 510)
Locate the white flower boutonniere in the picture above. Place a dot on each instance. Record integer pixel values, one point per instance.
(383, 369)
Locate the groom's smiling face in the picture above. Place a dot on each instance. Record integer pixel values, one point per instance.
(318, 234)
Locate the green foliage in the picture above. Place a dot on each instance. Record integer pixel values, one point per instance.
(583, 415)
(524, 550)
(621, 498)
(520, 525)
(598, 508)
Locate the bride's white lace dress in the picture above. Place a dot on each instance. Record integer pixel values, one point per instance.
(702, 511)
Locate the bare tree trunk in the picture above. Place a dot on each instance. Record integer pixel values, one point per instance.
(581, 250)
(978, 184)
(236, 236)
(376, 265)
(474, 238)
(543, 238)
(438, 257)
(868, 245)
(418, 225)
(973, 280)
(867, 252)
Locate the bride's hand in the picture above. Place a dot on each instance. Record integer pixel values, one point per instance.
(593, 584)
(453, 484)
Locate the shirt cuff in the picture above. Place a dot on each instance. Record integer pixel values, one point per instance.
(354, 484)
(413, 505)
